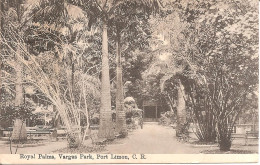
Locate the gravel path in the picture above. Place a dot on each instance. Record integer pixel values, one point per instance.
(152, 139)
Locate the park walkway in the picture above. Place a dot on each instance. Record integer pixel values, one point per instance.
(152, 139)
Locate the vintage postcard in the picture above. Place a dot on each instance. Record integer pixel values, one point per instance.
(129, 81)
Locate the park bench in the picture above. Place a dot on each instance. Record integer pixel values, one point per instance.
(6, 133)
(38, 134)
(94, 127)
(247, 136)
(250, 135)
(236, 135)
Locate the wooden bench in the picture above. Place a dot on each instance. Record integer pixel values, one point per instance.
(235, 136)
(37, 134)
(94, 127)
(250, 135)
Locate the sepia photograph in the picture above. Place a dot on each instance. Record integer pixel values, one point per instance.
(129, 81)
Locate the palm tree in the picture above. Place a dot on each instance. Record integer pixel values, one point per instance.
(127, 15)
(105, 12)
(17, 16)
(99, 10)
(172, 78)
(181, 110)
(19, 130)
(105, 129)
(0, 59)
(0, 52)
(120, 113)
(123, 19)
(181, 114)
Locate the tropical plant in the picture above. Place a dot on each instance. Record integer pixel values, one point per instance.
(105, 11)
(13, 13)
(60, 40)
(129, 20)
(216, 73)
(44, 70)
(230, 62)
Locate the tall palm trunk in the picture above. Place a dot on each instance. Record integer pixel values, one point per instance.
(106, 127)
(181, 111)
(19, 130)
(0, 59)
(120, 113)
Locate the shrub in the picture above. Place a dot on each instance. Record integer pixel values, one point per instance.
(167, 118)
(73, 140)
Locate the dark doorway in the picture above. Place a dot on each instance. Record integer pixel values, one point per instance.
(150, 112)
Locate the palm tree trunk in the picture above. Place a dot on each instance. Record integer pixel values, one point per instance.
(19, 129)
(120, 113)
(181, 111)
(106, 127)
(0, 60)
